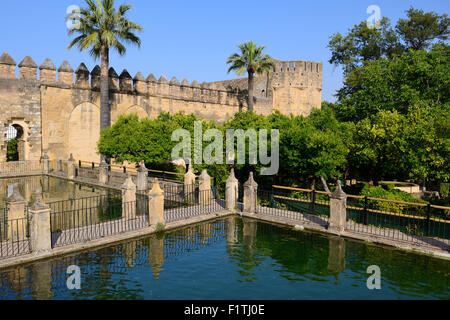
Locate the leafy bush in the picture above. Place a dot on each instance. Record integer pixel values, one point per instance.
(445, 190)
(12, 150)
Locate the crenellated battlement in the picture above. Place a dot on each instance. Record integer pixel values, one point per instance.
(58, 108)
(124, 83)
(299, 74)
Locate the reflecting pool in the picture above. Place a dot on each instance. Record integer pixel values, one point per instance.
(53, 189)
(233, 259)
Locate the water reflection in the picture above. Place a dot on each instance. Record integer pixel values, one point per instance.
(232, 259)
(53, 189)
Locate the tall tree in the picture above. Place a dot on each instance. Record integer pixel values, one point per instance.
(253, 61)
(101, 27)
(421, 29)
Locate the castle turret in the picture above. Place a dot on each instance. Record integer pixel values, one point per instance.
(7, 66)
(47, 71)
(28, 69)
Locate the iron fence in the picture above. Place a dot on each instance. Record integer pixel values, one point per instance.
(420, 223)
(295, 204)
(183, 202)
(76, 221)
(88, 173)
(14, 236)
(20, 167)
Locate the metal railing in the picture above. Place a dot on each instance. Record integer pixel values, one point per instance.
(295, 204)
(20, 167)
(14, 237)
(184, 202)
(77, 221)
(402, 221)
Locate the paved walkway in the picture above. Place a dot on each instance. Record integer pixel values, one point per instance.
(100, 230)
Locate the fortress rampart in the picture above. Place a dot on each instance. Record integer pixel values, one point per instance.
(59, 110)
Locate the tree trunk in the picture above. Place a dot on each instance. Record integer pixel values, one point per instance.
(250, 90)
(105, 112)
(325, 184)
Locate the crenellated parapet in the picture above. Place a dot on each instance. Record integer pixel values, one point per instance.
(298, 74)
(83, 78)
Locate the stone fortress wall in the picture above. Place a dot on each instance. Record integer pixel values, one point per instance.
(59, 111)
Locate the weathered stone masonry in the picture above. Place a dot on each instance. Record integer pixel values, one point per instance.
(61, 114)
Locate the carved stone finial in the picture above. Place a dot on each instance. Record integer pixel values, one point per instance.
(15, 196)
(163, 79)
(174, 81)
(139, 77)
(339, 193)
(251, 181)
(71, 158)
(38, 203)
(151, 78)
(129, 184)
(45, 156)
(47, 65)
(28, 62)
(5, 58)
(112, 73)
(65, 67)
(232, 177)
(142, 167)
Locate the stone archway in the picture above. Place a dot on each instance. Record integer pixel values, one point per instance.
(84, 132)
(16, 137)
(136, 109)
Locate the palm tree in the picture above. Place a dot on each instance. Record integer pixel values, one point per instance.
(252, 61)
(100, 26)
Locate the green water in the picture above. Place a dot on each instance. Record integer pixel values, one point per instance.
(53, 189)
(233, 259)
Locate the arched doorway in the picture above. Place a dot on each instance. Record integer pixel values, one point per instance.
(84, 132)
(15, 143)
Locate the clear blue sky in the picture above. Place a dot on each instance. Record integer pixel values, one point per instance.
(192, 39)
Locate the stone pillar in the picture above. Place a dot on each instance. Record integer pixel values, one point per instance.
(17, 227)
(250, 195)
(71, 168)
(103, 176)
(45, 163)
(142, 177)
(189, 177)
(156, 205)
(189, 184)
(205, 194)
(129, 199)
(40, 231)
(232, 192)
(338, 209)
